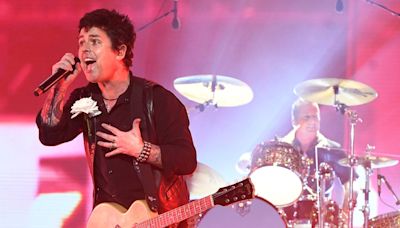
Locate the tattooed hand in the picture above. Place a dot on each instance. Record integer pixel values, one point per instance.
(53, 105)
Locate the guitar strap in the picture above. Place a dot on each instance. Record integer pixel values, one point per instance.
(142, 90)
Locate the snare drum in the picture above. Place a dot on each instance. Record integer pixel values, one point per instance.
(391, 219)
(276, 172)
(251, 213)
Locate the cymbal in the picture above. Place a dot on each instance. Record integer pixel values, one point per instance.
(376, 162)
(204, 181)
(217, 90)
(330, 91)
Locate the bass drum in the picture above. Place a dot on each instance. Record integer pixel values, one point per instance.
(250, 213)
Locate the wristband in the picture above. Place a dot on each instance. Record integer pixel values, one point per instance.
(145, 153)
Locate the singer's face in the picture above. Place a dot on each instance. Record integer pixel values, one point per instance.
(96, 54)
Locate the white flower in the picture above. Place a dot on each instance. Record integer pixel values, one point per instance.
(86, 105)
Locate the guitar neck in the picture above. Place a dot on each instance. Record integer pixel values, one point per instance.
(179, 214)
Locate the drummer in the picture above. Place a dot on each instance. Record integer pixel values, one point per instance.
(306, 136)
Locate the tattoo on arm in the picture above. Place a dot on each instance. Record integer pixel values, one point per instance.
(155, 156)
(53, 107)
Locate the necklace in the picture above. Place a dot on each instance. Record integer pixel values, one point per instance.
(107, 99)
(109, 103)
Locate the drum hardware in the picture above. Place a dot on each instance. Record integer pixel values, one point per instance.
(335, 91)
(202, 107)
(325, 172)
(368, 172)
(333, 215)
(322, 173)
(243, 165)
(310, 197)
(242, 208)
(304, 212)
(369, 163)
(213, 90)
(320, 192)
(340, 93)
(353, 117)
(309, 179)
(310, 192)
(377, 162)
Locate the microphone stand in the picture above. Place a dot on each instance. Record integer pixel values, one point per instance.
(155, 20)
(390, 188)
(394, 13)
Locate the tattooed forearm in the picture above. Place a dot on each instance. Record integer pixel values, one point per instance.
(155, 156)
(53, 107)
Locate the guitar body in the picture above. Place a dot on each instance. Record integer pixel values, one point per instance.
(113, 215)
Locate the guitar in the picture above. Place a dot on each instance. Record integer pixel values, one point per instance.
(113, 215)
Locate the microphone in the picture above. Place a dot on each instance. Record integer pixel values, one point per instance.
(339, 6)
(175, 22)
(379, 184)
(53, 79)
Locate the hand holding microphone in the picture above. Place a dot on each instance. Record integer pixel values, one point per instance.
(66, 69)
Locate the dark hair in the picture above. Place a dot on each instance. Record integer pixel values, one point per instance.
(117, 26)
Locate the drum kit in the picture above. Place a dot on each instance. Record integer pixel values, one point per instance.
(214, 90)
(280, 174)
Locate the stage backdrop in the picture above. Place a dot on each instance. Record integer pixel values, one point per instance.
(271, 45)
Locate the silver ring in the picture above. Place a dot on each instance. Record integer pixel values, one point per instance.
(113, 146)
